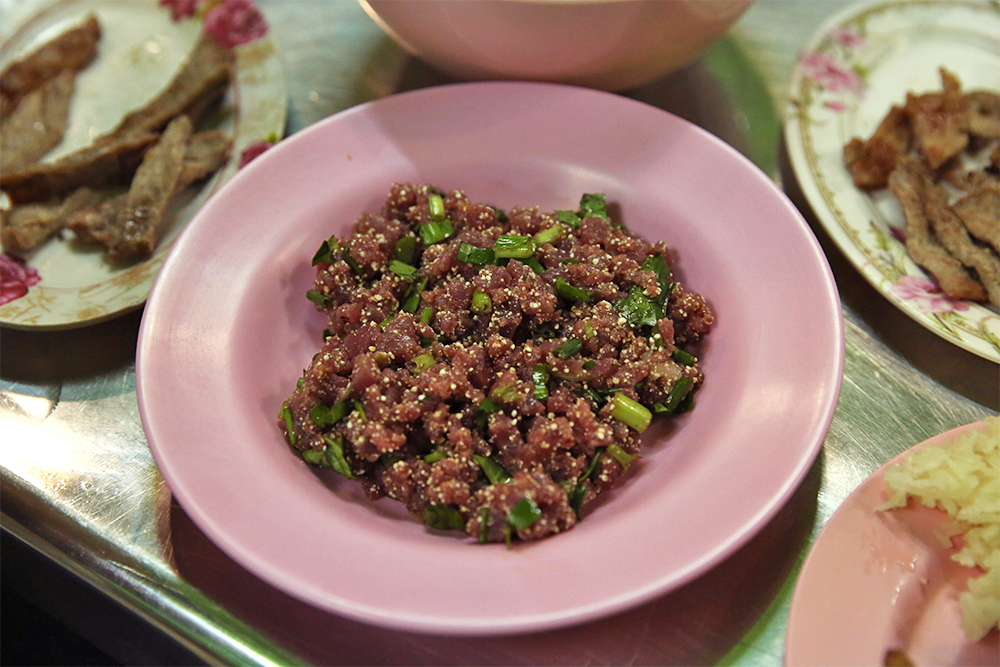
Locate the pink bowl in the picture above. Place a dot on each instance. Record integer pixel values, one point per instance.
(607, 44)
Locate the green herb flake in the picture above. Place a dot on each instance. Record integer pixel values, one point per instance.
(406, 249)
(472, 255)
(594, 205)
(286, 415)
(436, 231)
(525, 513)
(658, 265)
(571, 292)
(320, 299)
(569, 218)
(638, 309)
(569, 348)
(331, 456)
(493, 470)
(540, 378)
(442, 517)
(481, 302)
(624, 458)
(325, 254)
(684, 358)
(402, 270)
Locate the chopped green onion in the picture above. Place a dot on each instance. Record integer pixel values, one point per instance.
(331, 456)
(540, 377)
(569, 348)
(384, 323)
(320, 299)
(630, 412)
(442, 517)
(436, 231)
(676, 395)
(434, 456)
(423, 361)
(594, 205)
(473, 255)
(572, 292)
(638, 309)
(569, 218)
(484, 524)
(411, 300)
(406, 249)
(624, 458)
(514, 246)
(508, 393)
(402, 270)
(361, 411)
(325, 252)
(685, 358)
(483, 412)
(435, 204)
(550, 235)
(493, 470)
(571, 260)
(533, 264)
(321, 415)
(426, 315)
(286, 414)
(577, 493)
(481, 302)
(658, 265)
(351, 262)
(524, 514)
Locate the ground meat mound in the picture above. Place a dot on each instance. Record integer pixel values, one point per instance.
(492, 370)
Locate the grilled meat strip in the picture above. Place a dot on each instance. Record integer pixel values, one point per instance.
(870, 162)
(980, 211)
(908, 183)
(25, 227)
(940, 121)
(38, 124)
(72, 50)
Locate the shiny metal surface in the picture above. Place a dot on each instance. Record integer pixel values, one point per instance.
(79, 483)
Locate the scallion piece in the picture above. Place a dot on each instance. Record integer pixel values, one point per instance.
(411, 300)
(286, 415)
(484, 524)
(331, 456)
(572, 292)
(595, 204)
(540, 378)
(325, 252)
(473, 255)
(493, 470)
(630, 412)
(436, 231)
(320, 299)
(685, 358)
(323, 415)
(514, 246)
(676, 395)
(569, 348)
(624, 458)
(406, 249)
(579, 491)
(569, 218)
(423, 361)
(426, 315)
(435, 204)
(481, 302)
(658, 265)
(402, 270)
(507, 394)
(442, 517)
(483, 412)
(524, 514)
(434, 456)
(361, 411)
(533, 264)
(550, 235)
(351, 262)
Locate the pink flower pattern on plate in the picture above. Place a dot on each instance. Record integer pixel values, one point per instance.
(15, 278)
(253, 151)
(925, 295)
(830, 74)
(235, 22)
(180, 9)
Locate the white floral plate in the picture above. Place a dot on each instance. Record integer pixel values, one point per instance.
(64, 284)
(860, 63)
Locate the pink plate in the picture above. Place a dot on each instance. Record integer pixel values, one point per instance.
(228, 330)
(879, 581)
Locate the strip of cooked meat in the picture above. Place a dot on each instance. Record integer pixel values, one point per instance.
(979, 210)
(870, 162)
(154, 184)
(72, 50)
(940, 121)
(25, 227)
(983, 107)
(100, 164)
(205, 154)
(907, 184)
(955, 238)
(38, 124)
(200, 82)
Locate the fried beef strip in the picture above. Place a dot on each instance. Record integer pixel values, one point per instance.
(940, 121)
(25, 227)
(909, 184)
(206, 153)
(979, 210)
(983, 108)
(38, 124)
(113, 158)
(72, 50)
(870, 162)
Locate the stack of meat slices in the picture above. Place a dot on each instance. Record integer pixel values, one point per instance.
(115, 190)
(940, 156)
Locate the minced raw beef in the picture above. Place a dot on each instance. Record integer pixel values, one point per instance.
(492, 371)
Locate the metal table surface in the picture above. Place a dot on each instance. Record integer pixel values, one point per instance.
(79, 484)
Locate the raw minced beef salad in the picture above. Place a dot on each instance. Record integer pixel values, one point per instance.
(492, 371)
